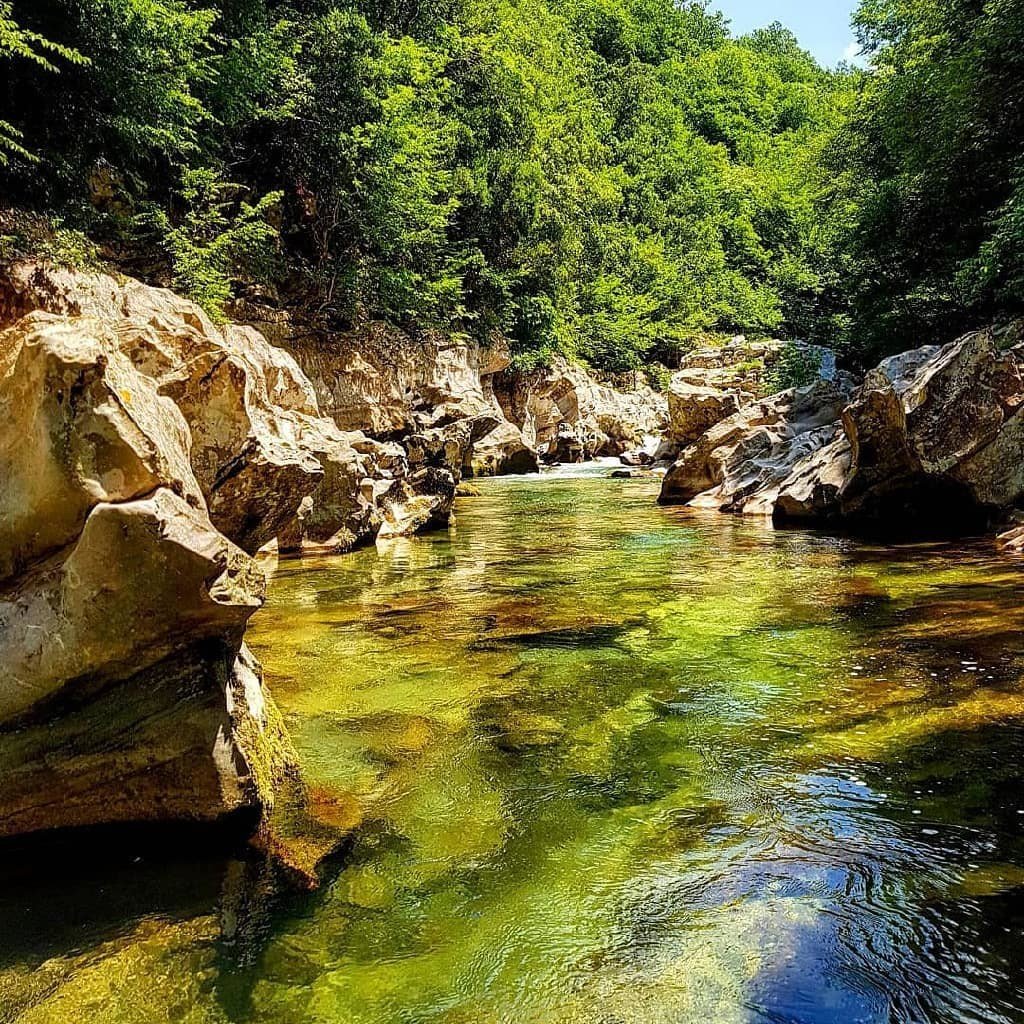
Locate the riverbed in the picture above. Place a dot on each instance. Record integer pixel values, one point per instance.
(603, 763)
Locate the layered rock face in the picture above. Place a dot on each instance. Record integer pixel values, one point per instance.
(261, 448)
(126, 693)
(570, 417)
(932, 439)
(742, 463)
(713, 383)
(434, 389)
(147, 455)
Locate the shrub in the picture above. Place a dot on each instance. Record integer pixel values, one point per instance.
(796, 367)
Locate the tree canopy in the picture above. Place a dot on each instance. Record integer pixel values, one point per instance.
(611, 179)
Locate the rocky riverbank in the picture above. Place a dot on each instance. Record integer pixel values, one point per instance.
(147, 455)
(931, 441)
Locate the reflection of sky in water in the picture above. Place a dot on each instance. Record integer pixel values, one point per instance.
(613, 764)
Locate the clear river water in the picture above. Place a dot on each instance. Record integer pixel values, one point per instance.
(604, 763)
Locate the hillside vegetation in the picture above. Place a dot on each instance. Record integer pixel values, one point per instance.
(610, 179)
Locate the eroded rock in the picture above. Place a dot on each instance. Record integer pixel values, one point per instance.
(932, 441)
(125, 691)
(742, 463)
(693, 410)
(563, 402)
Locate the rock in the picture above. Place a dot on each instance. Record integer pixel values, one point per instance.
(245, 403)
(125, 692)
(741, 463)
(737, 366)
(564, 401)
(259, 446)
(943, 444)
(340, 513)
(568, 449)
(147, 452)
(694, 410)
(636, 459)
(901, 368)
(931, 442)
(423, 501)
(1012, 541)
(392, 386)
(81, 426)
(813, 487)
(621, 474)
(745, 366)
(501, 452)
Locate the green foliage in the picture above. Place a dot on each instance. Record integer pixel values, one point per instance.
(607, 179)
(51, 241)
(659, 376)
(217, 237)
(796, 367)
(18, 42)
(931, 172)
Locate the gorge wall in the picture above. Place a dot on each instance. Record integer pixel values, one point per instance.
(931, 441)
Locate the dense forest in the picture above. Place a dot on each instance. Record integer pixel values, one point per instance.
(611, 179)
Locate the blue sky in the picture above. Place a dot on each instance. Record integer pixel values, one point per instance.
(822, 26)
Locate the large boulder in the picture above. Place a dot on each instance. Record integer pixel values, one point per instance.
(742, 463)
(81, 426)
(943, 443)
(693, 410)
(267, 463)
(245, 403)
(125, 690)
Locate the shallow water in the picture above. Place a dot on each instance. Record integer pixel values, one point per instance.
(605, 764)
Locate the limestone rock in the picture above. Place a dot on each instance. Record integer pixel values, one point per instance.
(125, 691)
(944, 443)
(742, 463)
(693, 410)
(422, 501)
(932, 441)
(382, 381)
(81, 426)
(564, 401)
(245, 402)
(1012, 540)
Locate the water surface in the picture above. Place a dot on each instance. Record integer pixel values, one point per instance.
(604, 763)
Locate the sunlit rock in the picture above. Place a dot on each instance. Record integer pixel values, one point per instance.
(125, 692)
(932, 440)
(564, 401)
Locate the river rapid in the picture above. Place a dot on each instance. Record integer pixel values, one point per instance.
(605, 763)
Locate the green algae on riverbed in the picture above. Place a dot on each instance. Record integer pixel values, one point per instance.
(606, 762)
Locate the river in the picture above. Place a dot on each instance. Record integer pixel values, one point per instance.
(606, 763)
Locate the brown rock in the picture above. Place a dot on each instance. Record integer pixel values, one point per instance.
(742, 463)
(694, 410)
(564, 400)
(125, 693)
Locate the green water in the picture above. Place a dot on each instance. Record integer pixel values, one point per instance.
(604, 763)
